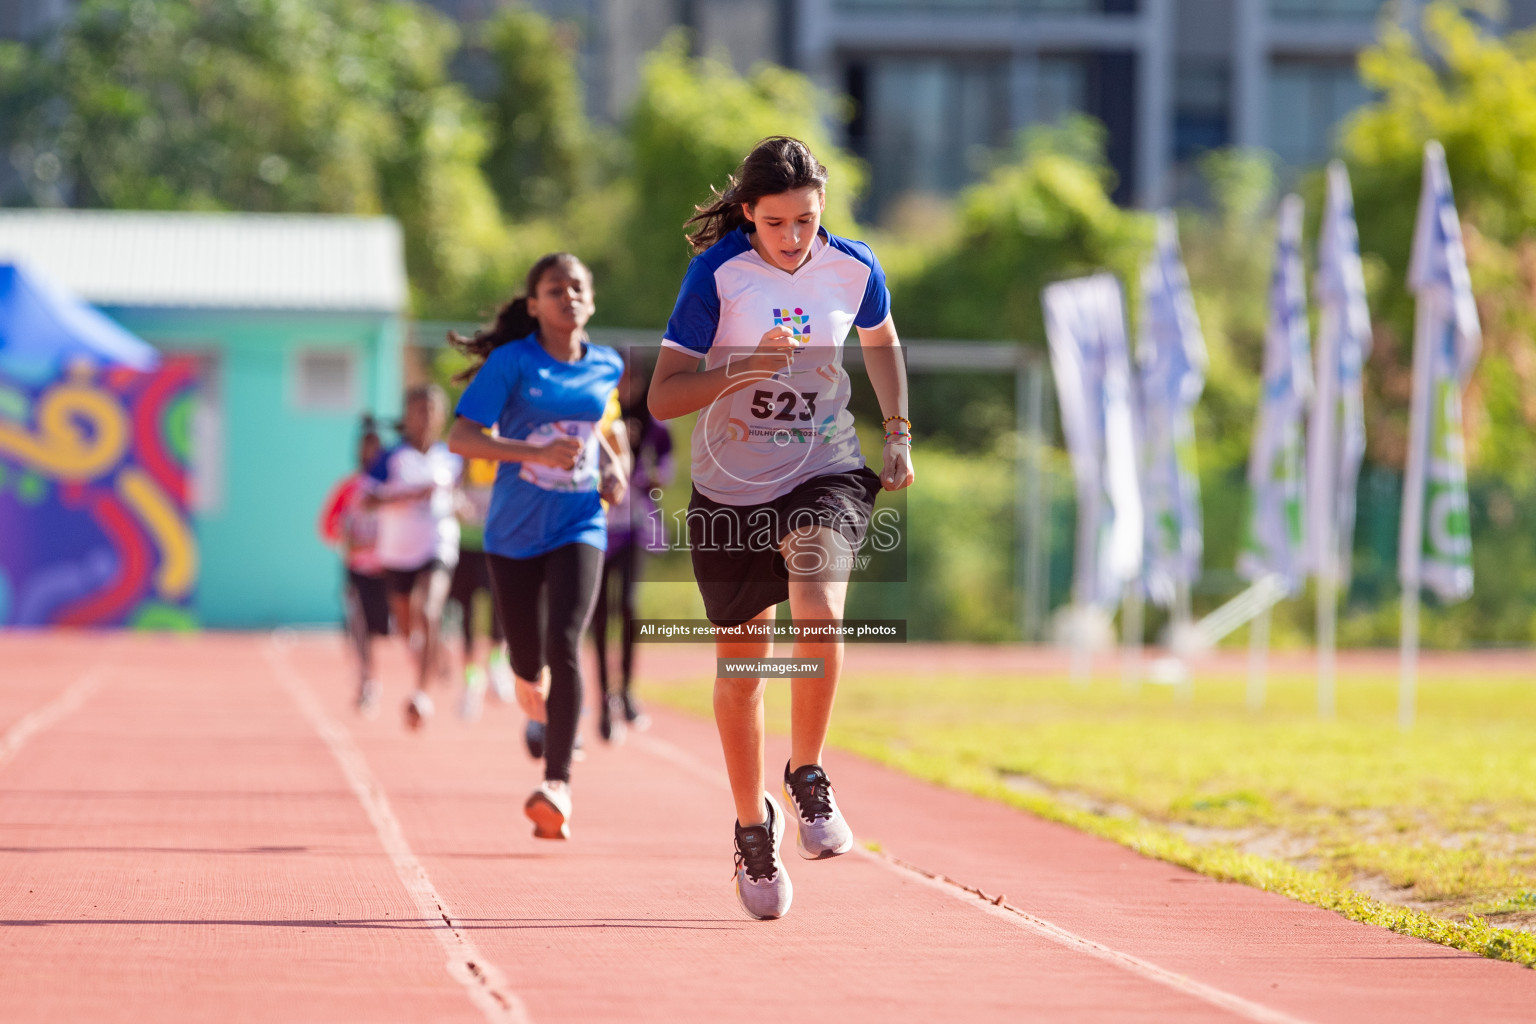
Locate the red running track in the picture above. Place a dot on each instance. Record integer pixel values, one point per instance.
(200, 829)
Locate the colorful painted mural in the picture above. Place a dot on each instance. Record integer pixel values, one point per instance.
(94, 522)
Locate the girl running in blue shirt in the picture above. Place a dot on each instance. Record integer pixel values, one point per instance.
(545, 388)
(782, 497)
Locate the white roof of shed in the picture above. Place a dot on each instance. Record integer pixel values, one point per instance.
(213, 260)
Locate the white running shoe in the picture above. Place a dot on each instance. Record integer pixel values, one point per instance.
(824, 832)
(549, 808)
(473, 697)
(418, 710)
(502, 679)
(762, 884)
(368, 698)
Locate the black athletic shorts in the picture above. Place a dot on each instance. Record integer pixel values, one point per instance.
(735, 548)
(368, 597)
(471, 576)
(403, 581)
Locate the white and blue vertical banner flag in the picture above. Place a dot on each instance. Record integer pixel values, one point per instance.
(1436, 544)
(1171, 360)
(1090, 359)
(1275, 536)
(1336, 432)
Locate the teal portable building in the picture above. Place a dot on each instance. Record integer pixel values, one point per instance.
(296, 326)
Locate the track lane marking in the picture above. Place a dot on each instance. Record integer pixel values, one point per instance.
(484, 982)
(50, 714)
(1003, 911)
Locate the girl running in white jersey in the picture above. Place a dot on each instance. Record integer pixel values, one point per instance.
(782, 497)
(546, 388)
(413, 485)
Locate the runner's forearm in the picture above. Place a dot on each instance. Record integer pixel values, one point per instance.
(885, 367)
(469, 439)
(687, 389)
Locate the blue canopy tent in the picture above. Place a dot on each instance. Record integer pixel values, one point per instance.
(43, 328)
(94, 444)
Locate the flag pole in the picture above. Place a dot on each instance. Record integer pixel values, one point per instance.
(1322, 488)
(1087, 562)
(1336, 441)
(1407, 686)
(1182, 622)
(1446, 340)
(1410, 543)
(1131, 624)
(1258, 659)
(1327, 637)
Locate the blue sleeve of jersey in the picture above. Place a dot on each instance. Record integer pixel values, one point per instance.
(877, 297)
(379, 471)
(492, 387)
(697, 314)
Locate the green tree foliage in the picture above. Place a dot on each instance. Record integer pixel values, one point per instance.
(337, 106)
(1476, 94)
(1229, 250)
(543, 150)
(694, 120)
(1042, 217)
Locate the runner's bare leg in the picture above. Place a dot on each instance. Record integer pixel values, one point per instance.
(739, 717)
(819, 560)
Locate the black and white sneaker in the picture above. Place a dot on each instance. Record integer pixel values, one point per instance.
(824, 832)
(762, 884)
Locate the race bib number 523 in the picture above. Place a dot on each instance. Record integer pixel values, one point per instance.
(775, 414)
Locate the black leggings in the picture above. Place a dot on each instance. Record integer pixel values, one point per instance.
(568, 578)
(470, 577)
(616, 590)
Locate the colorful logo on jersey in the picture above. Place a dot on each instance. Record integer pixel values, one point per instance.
(797, 320)
(736, 430)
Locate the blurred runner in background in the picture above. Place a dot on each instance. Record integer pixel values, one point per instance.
(413, 485)
(348, 524)
(628, 539)
(485, 663)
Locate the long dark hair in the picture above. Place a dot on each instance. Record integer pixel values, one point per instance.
(777, 164)
(512, 321)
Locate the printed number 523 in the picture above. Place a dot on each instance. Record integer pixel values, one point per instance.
(763, 405)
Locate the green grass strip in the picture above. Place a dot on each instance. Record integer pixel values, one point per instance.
(1474, 935)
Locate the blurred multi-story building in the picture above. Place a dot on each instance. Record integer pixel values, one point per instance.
(939, 87)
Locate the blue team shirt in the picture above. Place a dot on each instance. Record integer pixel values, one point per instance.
(530, 395)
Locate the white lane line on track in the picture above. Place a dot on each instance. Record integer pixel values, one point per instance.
(50, 714)
(487, 987)
(1010, 914)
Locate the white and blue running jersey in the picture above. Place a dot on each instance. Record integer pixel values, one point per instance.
(413, 533)
(766, 439)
